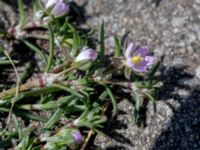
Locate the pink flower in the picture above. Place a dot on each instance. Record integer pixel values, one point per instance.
(77, 137)
(60, 9)
(138, 59)
(56, 7)
(50, 3)
(88, 54)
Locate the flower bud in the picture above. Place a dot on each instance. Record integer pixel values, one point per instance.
(60, 9)
(88, 54)
(77, 137)
(49, 3)
(84, 59)
(57, 8)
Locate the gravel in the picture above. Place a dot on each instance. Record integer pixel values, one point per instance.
(171, 29)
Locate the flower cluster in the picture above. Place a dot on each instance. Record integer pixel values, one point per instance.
(136, 59)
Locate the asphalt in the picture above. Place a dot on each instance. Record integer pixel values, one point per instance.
(171, 30)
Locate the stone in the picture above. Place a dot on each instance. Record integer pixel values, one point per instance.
(198, 72)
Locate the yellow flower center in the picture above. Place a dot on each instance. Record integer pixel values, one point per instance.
(60, 132)
(137, 59)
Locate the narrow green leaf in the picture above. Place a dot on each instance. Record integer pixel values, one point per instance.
(100, 120)
(127, 72)
(4, 109)
(113, 100)
(21, 13)
(51, 53)
(37, 6)
(153, 101)
(143, 84)
(103, 95)
(117, 46)
(76, 42)
(56, 116)
(101, 42)
(73, 92)
(54, 104)
(17, 126)
(154, 69)
(85, 123)
(7, 62)
(36, 147)
(36, 49)
(28, 71)
(135, 115)
(29, 115)
(26, 139)
(45, 90)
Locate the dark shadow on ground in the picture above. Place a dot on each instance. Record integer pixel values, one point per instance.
(114, 147)
(183, 130)
(111, 131)
(78, 13)
(157, 2)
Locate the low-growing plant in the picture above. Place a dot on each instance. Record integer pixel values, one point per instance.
(70, 93)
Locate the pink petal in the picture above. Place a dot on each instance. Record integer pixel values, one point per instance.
(149, 60)
(129, 62)
(139, 68)
(142, 67)
(50, 3)
(141, 51)
(77, 137)
(129, 50)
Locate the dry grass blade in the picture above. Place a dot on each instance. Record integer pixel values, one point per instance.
(20, 88)
(18, 82)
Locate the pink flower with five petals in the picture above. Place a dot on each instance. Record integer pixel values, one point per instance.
(138, 60)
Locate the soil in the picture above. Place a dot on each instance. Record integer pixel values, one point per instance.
(171, 30)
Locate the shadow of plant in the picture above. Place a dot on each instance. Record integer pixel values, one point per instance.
(157, 2)
(111, 131)
(183, 130)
